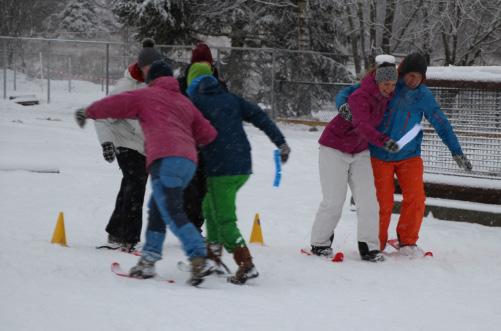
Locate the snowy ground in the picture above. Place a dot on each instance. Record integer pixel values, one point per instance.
(49, 287)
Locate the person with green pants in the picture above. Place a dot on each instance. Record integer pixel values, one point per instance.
(228, 164)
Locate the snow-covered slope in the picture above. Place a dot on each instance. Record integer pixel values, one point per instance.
(49, 287)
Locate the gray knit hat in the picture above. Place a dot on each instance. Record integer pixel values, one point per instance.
(385, 72)
(148, 54)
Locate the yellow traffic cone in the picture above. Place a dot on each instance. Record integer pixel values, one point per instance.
(59, 236)
(256, 234)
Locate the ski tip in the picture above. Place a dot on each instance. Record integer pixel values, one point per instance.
(429, 254)
(305, 251)
(338, 257)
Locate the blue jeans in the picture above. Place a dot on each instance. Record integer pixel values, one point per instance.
(169, 177)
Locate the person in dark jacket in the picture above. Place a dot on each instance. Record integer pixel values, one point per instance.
(228, 165)
(197, 188)
(413, 100)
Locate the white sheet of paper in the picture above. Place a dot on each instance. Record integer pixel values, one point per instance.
(409, 136)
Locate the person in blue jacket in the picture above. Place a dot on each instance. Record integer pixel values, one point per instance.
(411, 102)
(228, 163)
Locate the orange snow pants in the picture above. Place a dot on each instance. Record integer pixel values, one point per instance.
(410, 178)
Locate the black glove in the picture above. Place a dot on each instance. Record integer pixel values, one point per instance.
(345, 111)
(109, 151)
(80, 117)
(391, 146)
(284, 152)
(463, 162)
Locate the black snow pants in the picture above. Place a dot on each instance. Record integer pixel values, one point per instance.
(194, 194)
(127, 218)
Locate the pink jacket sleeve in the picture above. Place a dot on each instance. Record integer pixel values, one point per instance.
(203, 132)
(360, 111)
(123, 105)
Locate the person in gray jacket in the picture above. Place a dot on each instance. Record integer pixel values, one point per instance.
(124, 140)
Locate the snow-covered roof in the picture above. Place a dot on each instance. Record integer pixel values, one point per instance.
(473, 73)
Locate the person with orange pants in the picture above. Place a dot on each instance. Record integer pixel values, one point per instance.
(409, 173)
(411, 102)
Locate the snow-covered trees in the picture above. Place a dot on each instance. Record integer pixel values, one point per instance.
(288, 24)
(459, 32)
(83, 19)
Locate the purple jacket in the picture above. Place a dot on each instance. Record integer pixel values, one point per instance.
(171, 124)
(367, 106)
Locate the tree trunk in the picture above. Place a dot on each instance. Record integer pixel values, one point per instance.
(388, 25)
(303, 101)
(372, 30)
(354, 41)
(363, 49)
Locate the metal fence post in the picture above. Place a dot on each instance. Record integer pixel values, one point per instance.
(101, 75)
(48, 72)
(69, 74)
(273, 113)
(218, 63)
(5, 69)
(107, 68)
(15, 75)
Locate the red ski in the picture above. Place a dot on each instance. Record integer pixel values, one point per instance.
(338, 257)
(394, 243)
(117, 270)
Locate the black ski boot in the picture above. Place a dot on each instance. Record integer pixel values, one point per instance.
(325, 251)
(371, 256)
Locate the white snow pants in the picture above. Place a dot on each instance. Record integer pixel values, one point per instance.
(337, 171)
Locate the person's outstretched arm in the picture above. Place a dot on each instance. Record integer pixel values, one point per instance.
(442, 126)
(252, 113)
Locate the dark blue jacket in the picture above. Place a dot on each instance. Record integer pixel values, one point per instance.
(406, 109)
(230, 153)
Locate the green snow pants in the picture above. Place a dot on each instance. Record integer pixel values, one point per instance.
(219, 208)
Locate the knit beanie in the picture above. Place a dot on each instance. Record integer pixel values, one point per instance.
(201, 53)
(385, 72)
(198, 69)
(158, 69)
(413, 62)
(148, 54)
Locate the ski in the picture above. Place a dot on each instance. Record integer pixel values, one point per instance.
(336, 258)
(134, 252)
(117, 270)
(394, 243)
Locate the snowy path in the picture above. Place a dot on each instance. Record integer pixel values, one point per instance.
(48, 287)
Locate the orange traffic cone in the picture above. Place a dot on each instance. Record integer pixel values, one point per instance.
(256, 234)
(59, 235)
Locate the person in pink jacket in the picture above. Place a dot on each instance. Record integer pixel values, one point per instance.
(344, 160)
(172, 129)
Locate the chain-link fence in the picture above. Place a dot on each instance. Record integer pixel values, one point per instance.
(287, 84)
(251, 72)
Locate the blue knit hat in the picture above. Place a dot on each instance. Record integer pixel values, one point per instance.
(158, 69)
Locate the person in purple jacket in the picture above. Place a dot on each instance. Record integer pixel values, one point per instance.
(344, 160)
